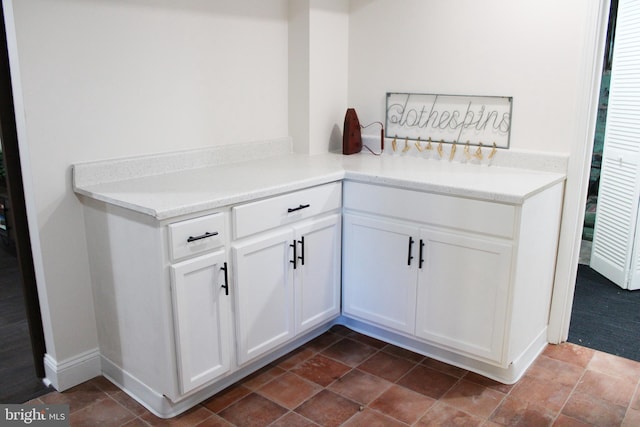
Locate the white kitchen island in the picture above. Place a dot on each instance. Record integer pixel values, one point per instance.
(206, 265)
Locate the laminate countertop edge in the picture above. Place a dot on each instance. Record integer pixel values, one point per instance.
(181, 193)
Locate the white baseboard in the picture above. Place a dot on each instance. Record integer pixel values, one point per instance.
(63, 375)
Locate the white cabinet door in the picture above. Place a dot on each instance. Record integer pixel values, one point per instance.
(263, 292)
(380, 260)
(317, 273)
(202, 320)
(463, 292)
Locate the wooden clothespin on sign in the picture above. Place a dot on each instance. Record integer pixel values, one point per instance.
(406, 145)
(394, 143)
(467, 154)
(440, 150)
(418, 145)
(494, 150)
(429, 146)
(452, 154)
(478, 154)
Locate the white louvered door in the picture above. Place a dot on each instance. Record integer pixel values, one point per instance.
(616, 240)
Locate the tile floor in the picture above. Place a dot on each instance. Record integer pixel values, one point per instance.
(345, 378)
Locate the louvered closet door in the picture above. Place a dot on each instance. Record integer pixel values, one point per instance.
(616, 251)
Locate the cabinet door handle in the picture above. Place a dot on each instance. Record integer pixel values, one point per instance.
(294, 261)
(301, 257)
(421, 258)
(202, 236)
(298, 208)
(409, 256)
(226, 279)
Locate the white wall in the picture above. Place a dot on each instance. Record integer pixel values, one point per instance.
(114, 78)
(530, 50)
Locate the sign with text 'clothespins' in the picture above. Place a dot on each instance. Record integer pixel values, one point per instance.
(477, 120)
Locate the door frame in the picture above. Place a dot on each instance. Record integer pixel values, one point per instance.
(15, 186)
(596, 19)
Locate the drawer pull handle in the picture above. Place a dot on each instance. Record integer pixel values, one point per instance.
(226, 279)
(409, 256)
(421, 258)
(294, 261)
(202, 236)
(298, 208)
(301, 257)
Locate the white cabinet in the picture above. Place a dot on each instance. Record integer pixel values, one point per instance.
(468, 276)
(200, 299)
(286, 279)
(263, 292)
(463, 285)
(202, 319)
(381, 282)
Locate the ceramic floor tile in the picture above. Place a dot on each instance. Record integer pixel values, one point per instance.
(401, 352)
(289, 390)
(428, 381)
(293, 419)
(387, 366)
(534, 390)
(369, 418)
(294, 358)
(618, 391)
(76, 397)
(402, 404)
(488, 382)
(323, 341)
(473, 398)
(262, 376)
(454, 371)
(593, 410)
(615, 366)
(632, 418)
(360, 386)
(443, 415)
(373, 342)
(253, 410)
(226, 397)
(321, 370)
(516, 412)
(328, 409)
(107, 413)
(548, 369)
(564, 421)
(571, 353)
(349, 352)
(346, 378)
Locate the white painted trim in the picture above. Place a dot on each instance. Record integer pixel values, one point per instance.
(509, 375)
(578, 174)
(73, 371)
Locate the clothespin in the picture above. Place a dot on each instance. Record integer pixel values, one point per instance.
(406, 145)
(429, 146)
(440, 151)
(418, 145)
(467, 154)
(394, 143)
(494, 150)
(478, 153)
(452, 154)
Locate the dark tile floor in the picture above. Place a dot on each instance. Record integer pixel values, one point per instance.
(345, 378)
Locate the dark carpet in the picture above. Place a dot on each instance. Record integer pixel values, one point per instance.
(604, 316)
(18, 381)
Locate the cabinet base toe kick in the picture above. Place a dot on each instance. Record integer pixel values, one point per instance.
(164, 407)
(508, 375)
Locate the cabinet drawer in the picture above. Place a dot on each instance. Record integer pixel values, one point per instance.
(269, 213)
(427, 208)
(195, 236)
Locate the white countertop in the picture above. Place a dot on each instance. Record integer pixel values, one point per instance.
(168, 195)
